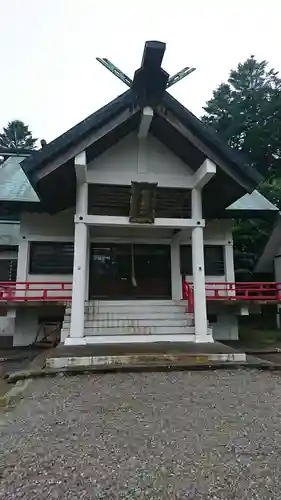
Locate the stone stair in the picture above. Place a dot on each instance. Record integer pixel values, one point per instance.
(130, 321)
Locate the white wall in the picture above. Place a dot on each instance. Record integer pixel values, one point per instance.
(226, 327)
(125, 162)
(7, 326)
(218, 232)
(277, 268)
(43, 227)
(277, 276)
(26, 326)
(27, 323)
(35, 226)
(9, 233)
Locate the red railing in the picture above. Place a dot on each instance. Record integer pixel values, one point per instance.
(34, 291)
(61, 291)
(262, 291)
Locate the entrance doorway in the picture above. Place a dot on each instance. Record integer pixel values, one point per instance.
(130, 271)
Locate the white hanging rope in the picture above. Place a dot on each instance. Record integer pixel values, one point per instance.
(134, 281)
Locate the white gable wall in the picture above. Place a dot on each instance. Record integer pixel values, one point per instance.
(124, 162)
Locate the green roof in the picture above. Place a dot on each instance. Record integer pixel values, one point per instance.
(14, 185)
(253, 201)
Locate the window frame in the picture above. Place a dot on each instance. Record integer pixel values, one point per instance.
(186, 269)
(62, 262)
(12, 265)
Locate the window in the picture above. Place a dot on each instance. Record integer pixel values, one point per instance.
(214, 260)
(8, 269)
(51, 258)
(186, 260)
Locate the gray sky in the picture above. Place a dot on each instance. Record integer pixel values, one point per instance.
(49, 76)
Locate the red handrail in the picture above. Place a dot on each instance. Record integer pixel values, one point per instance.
(35, 291)
(187, 293)
(61, 291)
(251, 291)
(243, 290)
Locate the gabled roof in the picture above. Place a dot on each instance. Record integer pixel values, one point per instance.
(211, 138)
(77, 133)
(253, 204)
(53, 166)
(14, 184)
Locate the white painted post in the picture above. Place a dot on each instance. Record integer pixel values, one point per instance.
(229, 267)
(198, 269)
(87, 278)
(81, 250)
(229, 263)
(23, 260)
(277, 277)
(79, 280)
(176, 279)
(22, 265)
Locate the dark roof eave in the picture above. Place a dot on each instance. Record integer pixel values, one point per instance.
(16, 151)
(210, 137)
(76, 133)
(253, 214)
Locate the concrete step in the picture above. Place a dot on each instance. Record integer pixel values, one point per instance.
(141, 302)
(144, 334)
(129, 309)
(139, 320)
(134, 330)
(163, 314)
(132, 339)
(135, 316)
(138, 330)
(132, 322)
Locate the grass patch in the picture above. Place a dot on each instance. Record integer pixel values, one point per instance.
(259, 336)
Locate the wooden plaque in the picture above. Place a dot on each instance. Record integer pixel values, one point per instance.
(142, 206)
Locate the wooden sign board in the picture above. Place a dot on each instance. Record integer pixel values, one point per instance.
(142, 206)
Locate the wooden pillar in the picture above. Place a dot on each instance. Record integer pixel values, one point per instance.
(81, 252)
(198, 271)
(176, 280)
(79, 280)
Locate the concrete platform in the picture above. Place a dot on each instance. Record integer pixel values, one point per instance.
(122, 355)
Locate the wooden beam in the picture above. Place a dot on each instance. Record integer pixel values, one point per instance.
(80, 163)
(182, 235)
(123, 179)
(112, 221)
(204, 173)
(146, 119)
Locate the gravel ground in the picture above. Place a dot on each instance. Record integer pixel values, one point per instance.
(176, 435)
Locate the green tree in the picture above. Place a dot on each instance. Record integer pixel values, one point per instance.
(17, 135)
(246, 112)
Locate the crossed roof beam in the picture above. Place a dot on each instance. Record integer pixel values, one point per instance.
(152, 58)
